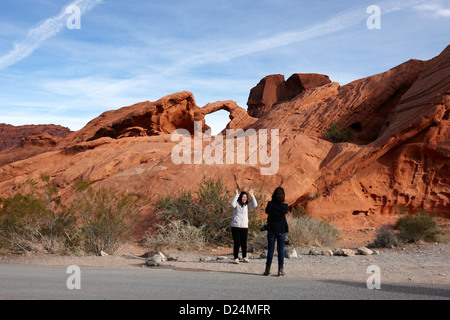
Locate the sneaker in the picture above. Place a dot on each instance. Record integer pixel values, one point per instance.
(236, 261)
(246, 260)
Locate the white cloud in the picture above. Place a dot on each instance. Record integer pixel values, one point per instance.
(435, 9)
(340, 22)
(47, 29)
(74, 123)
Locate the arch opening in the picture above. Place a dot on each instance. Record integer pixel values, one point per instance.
(217, 121)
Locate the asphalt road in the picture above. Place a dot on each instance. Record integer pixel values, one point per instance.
(33, 282)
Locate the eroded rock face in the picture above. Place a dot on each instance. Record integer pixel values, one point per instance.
(273, 89)
(364, 106)
(164, 116)
(400, 155)
(408, 161)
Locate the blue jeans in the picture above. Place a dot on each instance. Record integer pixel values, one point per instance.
(281, 239)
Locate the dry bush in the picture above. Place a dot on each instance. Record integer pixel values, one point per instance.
(386, 237)
(308, 231)
(303, 231)
(177, 235)
(258, 242)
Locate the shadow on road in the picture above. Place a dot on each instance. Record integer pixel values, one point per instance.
(413, 289)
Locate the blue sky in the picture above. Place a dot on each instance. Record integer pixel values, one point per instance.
(131, 51)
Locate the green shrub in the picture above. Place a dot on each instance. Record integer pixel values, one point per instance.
(21, 220)
(209, 210)
(34, 220)
(337, 135)
(413, 226)
(418, 227)
(107, 217)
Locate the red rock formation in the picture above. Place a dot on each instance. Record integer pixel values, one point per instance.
(400, 155)
(407, 163)
(12, 135)
(143, 119)
(238, 116)
(273, 89)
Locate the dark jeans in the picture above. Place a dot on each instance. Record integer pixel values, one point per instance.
(240, 236)
(280, 239)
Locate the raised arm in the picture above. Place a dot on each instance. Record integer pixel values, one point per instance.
(234, 201)
(254, 203)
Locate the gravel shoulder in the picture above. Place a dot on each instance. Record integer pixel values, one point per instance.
(424, 264)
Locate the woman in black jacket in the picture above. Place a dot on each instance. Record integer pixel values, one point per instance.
(277, 229)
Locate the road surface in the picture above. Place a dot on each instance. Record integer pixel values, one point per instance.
(51, 282)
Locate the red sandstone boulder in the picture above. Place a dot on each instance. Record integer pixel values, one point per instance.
(273, 89)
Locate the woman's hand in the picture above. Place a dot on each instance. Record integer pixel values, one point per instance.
(251, 192)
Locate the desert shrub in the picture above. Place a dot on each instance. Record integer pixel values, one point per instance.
(337, 135)
(303, 231)
(21, 220)
(34, 220)
(178, 207)
(298, 211)
(207, 208)
(258, 241)
(386, 237)
(98, 220)
(413, 226)
(107, 216)
(308, 231)
(176, 235)
(418, 227)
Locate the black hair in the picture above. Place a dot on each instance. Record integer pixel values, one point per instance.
(278, 195)
(240, 199)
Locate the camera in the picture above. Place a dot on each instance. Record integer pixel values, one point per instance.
(264, 228)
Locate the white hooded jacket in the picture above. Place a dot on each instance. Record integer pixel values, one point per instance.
(240, 213)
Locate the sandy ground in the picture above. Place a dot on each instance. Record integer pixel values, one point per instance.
(427, 263)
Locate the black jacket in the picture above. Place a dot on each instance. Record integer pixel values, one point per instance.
(277, 217)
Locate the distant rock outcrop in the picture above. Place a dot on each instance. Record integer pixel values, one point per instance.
(12, 135)
(274, 88)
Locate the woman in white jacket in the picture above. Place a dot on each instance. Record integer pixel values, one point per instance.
(239, 224)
